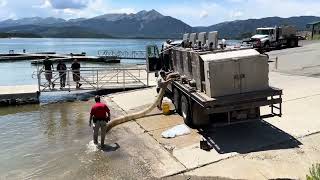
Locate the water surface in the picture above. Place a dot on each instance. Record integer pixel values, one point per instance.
(23, 73)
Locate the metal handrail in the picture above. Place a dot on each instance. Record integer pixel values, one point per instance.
(123, 54)
(95, 78)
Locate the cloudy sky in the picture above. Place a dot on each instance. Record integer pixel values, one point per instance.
(193, 12)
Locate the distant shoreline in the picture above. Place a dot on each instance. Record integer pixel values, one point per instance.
(94, 36)
(20, 37)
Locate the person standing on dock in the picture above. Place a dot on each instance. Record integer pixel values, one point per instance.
(100, 115)
(76, 73)
(48, 67)
(61, 67)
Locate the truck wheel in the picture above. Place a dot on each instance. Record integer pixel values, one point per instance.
(296, 43)
(266, 46)
(292, 43)
(176, 100)
(185, 111)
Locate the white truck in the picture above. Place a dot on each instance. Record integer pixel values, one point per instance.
(274, 37)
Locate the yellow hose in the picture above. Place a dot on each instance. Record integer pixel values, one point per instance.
(140, 114)
(137, 115)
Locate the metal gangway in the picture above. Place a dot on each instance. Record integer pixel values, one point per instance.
(95, 78)
(122, 54)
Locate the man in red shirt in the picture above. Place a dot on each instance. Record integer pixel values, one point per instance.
(100, 114)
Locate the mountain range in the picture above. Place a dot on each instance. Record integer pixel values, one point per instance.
(144, 24)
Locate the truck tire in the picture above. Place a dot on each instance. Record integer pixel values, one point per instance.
(292, 43)
(176, 99)
(296, 42)
(200, 118)
(266, 46)
(186, 112)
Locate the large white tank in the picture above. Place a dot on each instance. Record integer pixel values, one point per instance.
(202, 38)
(186, 37)
(235, 72)
(213, 39)
(193, 38)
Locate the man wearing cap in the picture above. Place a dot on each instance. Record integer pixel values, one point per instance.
(100, 115)
(62, 68)
(48, 67)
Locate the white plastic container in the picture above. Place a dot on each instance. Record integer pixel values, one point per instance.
(213, 39)
(167, 106)
(235, 72)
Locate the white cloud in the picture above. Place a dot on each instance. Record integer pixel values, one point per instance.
(193, 12)
(45, 4)
(235, 14)
(3, 3)
(228, 10)
(92, 8)
(204, 14)
(70, 4)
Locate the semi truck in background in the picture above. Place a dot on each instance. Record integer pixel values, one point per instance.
(219, 86)
(274, 37)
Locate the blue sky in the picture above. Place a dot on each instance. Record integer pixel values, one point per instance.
(193, 12)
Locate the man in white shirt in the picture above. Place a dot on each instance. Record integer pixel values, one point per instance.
(162, 82)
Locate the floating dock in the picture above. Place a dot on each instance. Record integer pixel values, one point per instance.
(18, 95)
(37, 58)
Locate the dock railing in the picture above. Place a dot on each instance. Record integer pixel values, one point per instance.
(124, 54)
(94, 78)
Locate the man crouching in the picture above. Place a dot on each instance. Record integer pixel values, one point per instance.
(100, 114)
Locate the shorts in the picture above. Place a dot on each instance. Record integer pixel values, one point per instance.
(76, 76)
(48, 75)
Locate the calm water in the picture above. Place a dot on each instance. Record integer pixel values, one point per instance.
(20, 72)
(68, 45)
(53, 140)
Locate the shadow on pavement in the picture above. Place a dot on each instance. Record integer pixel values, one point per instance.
(248, 137)
(110, 148)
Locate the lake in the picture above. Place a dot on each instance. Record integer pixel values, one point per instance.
(52, 140)
(20, 72)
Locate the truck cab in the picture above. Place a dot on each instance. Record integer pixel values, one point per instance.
(264, 37)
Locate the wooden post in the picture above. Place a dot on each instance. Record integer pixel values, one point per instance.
(276, 63)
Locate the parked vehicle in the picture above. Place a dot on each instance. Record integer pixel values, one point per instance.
(274, 37)
(220, 86)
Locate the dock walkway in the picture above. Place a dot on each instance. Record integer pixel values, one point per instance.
(96, 79)
(21, 94)
(37, 58)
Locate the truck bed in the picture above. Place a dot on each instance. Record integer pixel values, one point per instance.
(268, 97)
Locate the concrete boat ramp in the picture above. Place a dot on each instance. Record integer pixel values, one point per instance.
(272, 148)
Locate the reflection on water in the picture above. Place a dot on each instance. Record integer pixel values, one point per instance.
(41, 139)
(54, 141)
